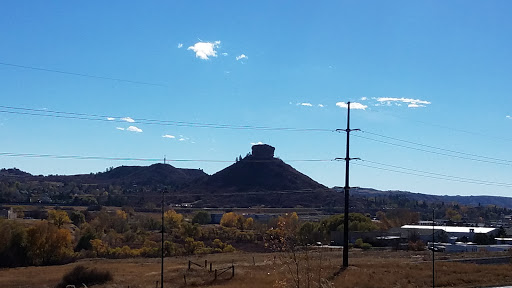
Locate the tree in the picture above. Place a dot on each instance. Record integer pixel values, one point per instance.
(308, 233)
(172, 219)
(229, 219)
(78, 218)
(202, 218)
(48, 244)
(248, 224)
(12, 244)
(58, 217)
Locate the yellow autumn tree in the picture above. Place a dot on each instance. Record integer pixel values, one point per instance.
(172, 219)
(58, 217)
(229, 219)
(48, 244)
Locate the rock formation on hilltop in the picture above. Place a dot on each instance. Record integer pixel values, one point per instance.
(259, 171)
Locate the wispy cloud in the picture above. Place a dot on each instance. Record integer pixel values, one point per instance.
(508, 117)
(120, 128)
(305, 104)
(243, 56)
(204, 50)
(111, 118)
(128, 119)
(364, 98)
(180, 45)
(257, 143)
(412, 103)
(169, 136)
(134, 129)
(321, 105)
(225, 54)
(182, 139)
(353, 105)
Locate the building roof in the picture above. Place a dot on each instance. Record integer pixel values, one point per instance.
(451, 229)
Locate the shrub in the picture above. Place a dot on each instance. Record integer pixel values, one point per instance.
(366, 246)
(359, 242)
(82, 275)
(228, 249)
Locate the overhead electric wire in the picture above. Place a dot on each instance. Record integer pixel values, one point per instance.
(479, 134)
(105, 118)
(439, 174)
(433, 177)
(78, 157)
(434, 152)
(434, 147)
(81, 74)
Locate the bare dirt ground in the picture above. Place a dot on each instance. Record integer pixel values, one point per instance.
(367, 269)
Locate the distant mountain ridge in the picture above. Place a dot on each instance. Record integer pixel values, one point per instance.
(483, 200)
(156, 174)
(257, 179)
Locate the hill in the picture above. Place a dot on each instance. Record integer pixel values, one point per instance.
(477, 200)
(259, 171)
(156, 174)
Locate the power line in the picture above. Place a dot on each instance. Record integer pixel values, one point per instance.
(107, 118)
(80, 74)
(437, 153)
(474, 133)
(78, 157)
(433, 177)
(439, 174)
(434, 147)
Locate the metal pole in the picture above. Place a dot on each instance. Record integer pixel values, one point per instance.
(345, 222)
(162, 265)
(433, 248)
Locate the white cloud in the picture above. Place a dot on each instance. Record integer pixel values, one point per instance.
(111, 118)
(128, 119)
(180, 45)
(120, 128)
(225, 54)
(243, 56)
(305, 104)
(364, 98)
(257, 143)
(508, 117)
(204, 50)
(182, 139)
(169, 136)
(134, 129)
(321, 105)
(353, 105)
(412, 103)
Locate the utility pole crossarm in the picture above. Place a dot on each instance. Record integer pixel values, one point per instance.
(349, 130)
(348, 159)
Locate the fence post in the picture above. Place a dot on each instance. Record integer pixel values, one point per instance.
(156, 286)
(188, 264)
(253, 262)
(210, 266)
(233, 272)
(215, 274)
(185, 278)
(205, 263)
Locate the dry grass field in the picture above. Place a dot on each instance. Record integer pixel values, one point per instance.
(367, 269)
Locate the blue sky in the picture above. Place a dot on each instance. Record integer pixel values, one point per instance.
(435, 73)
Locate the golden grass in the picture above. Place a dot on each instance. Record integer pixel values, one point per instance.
(367, 269)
